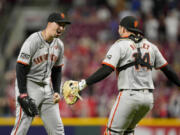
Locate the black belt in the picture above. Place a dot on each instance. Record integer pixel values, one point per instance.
(40, 84)
(150, 90)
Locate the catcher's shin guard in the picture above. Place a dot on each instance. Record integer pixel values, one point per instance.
(129, 132)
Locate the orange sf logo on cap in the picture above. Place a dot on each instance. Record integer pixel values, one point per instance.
(135, 24)
(62, 15)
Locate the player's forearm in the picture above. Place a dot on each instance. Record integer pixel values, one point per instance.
(56, 78)
(99, 75)
(21, 72)
(171, 75)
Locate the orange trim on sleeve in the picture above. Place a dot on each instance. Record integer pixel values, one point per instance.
(105, 63)
(162, 66)
(22, 62)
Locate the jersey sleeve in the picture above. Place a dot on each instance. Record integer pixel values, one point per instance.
(112, 57)
(26, 51)
(60, 60)
(160, 61)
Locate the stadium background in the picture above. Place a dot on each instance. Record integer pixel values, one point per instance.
(93, 30)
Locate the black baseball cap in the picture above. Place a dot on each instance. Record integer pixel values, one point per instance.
(131, 24)
(58, 18)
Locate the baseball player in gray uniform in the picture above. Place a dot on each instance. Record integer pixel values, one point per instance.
(39, 77)
(133, 57)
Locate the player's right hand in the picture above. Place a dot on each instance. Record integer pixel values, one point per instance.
(56, 98)
(82, 84)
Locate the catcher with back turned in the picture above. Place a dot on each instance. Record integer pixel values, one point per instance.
(38, 80)
(133, 57)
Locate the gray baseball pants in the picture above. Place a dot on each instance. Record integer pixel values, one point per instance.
(129, 108)
(48, 111)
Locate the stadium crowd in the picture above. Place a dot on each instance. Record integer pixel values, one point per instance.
(93, 31)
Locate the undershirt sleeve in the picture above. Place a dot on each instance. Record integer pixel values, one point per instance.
(56, 78)
(99, 75)
(171, 75)
(21, 72)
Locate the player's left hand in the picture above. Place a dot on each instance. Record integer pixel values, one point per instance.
(56, 98)
(28, 105)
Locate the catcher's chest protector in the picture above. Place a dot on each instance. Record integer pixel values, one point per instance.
(140, 59)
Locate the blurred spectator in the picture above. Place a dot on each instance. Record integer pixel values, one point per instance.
(162, 28)
(174, 104)
(136, 5)
(151, 27)
(10, 92)
(103, 14)
(146, 6)
(79, 3)
(159, 7)
(172, 25)
(105, 105)
(1, 5)
(66, 109)
(160, 104)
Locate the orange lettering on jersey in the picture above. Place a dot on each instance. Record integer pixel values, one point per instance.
(42, 58)
(39, 59)
(35, 61)
(133, 47)
(146, 46)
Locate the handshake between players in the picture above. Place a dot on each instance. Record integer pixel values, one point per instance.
(71, 91)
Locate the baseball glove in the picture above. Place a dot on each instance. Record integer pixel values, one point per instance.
(70, 90)
(28, 105)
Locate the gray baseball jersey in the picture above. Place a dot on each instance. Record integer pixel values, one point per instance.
(124, 51)
(135, 84)
(41, 57)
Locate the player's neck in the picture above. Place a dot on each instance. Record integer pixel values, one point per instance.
(46, 36)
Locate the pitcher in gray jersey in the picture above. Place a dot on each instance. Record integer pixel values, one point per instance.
(38, 72)
(133, 57)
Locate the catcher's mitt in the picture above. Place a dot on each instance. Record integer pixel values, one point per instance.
(70, 91)
(28, 105)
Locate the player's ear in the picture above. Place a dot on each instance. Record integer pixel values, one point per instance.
(124, 30)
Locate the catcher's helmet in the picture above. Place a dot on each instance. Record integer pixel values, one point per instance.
(131, 24)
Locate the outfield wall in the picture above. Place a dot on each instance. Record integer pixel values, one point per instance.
(96, 126)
